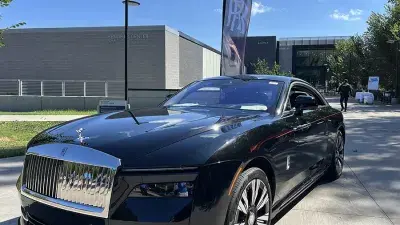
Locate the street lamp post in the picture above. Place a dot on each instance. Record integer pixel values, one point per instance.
(397, 65)
(127, 3)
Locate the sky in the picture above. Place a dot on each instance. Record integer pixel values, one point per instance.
(201, 19)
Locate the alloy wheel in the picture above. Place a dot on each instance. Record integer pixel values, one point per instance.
(339, 153)
(253, 208)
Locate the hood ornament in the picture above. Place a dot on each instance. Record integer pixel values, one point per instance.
(81, 138)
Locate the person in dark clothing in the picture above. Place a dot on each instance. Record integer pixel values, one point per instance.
(344, 90)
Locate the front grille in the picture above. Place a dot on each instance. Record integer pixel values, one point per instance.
(69, 181)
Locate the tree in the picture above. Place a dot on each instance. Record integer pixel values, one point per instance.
(5, 3)
(262, 67)
(370, 54)
(349, 61)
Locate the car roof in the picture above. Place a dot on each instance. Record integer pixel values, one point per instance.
(258, 77)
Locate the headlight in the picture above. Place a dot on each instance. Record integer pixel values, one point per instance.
(178, 189)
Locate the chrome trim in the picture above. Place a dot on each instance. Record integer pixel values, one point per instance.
(24, 217)
(50, 181)
(65, 205)
(76, 154)
(161, 169)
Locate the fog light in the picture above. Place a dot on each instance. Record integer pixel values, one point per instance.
(178, 189)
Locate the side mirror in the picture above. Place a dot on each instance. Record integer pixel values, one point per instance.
(303, 102)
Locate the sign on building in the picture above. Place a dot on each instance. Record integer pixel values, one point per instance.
(373, 83)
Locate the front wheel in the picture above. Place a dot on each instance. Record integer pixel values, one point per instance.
(251, 201)
(336, 168)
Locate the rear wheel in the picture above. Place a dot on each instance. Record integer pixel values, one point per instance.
(251, 201)
(336, 168)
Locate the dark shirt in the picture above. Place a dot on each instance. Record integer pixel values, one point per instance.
(345, 90)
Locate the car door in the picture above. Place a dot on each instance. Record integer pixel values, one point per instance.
(307, 143)
(311, 131)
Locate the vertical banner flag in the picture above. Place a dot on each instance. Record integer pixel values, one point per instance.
(235, 25)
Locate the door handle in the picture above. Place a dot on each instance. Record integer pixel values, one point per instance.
(320, 122)
(302, 127)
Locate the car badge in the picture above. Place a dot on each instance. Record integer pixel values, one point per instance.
(81, 138)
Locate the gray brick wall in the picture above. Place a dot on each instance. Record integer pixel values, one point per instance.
(190, 62)
(85, 54)
(171, 59)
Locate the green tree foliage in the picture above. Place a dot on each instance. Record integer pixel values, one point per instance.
(5, 3)
(370, 54)
(262, 67)
(349, 61)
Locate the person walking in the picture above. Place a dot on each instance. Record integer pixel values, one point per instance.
(344, 90)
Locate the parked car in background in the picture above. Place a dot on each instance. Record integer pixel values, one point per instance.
(225, 150)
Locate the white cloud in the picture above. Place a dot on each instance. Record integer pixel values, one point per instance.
(352, 15)
(259, 8)
(218, 11)
(356, 12)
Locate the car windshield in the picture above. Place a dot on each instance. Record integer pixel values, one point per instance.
(230, 93)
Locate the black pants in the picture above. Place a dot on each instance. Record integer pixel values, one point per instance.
(344, 98)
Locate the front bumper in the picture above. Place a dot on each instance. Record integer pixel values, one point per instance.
(208, 205)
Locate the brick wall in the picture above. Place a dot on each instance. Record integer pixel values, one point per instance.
(190, 62)
(171, 60)
(85, 54)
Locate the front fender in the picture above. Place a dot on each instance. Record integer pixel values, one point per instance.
(211, 199)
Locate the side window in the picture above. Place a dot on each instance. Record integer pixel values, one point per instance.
(298, 90)
(317, 97)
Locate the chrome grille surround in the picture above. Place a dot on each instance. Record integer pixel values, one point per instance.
(70, 177)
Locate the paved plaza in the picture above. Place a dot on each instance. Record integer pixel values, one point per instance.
(368, 192)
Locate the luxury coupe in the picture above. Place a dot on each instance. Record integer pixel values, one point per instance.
(225, 150)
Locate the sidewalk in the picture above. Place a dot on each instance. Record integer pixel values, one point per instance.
(10, 168)
(368, 193)
(39, 117)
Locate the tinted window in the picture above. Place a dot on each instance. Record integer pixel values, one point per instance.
(230, 93)
(298, 90)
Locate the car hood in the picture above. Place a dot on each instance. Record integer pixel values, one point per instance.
(136, 133)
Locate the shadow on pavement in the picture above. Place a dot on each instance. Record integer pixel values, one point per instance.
(10, 222)
(292, 204)
(370, 190)
(10, 169)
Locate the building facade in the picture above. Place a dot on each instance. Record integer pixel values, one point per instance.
(305, 57)
(87, 64)
(260, 48)
(159, 57)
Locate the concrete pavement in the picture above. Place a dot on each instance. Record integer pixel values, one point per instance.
(368, 192)
(10, 169)
(39, 117)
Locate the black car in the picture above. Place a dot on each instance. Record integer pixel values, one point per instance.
(225, 150)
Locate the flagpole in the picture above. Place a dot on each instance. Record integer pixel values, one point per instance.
(222, 37)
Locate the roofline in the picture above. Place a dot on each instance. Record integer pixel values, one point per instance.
(189, 38)
(84, 29)
(114, 28)
(308, 38)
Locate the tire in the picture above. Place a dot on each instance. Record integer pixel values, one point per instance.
(336, 168)
(249, 180)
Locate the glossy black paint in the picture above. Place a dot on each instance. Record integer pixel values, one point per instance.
(213, 143)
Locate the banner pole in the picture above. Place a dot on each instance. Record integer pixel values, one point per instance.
(222, 36)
